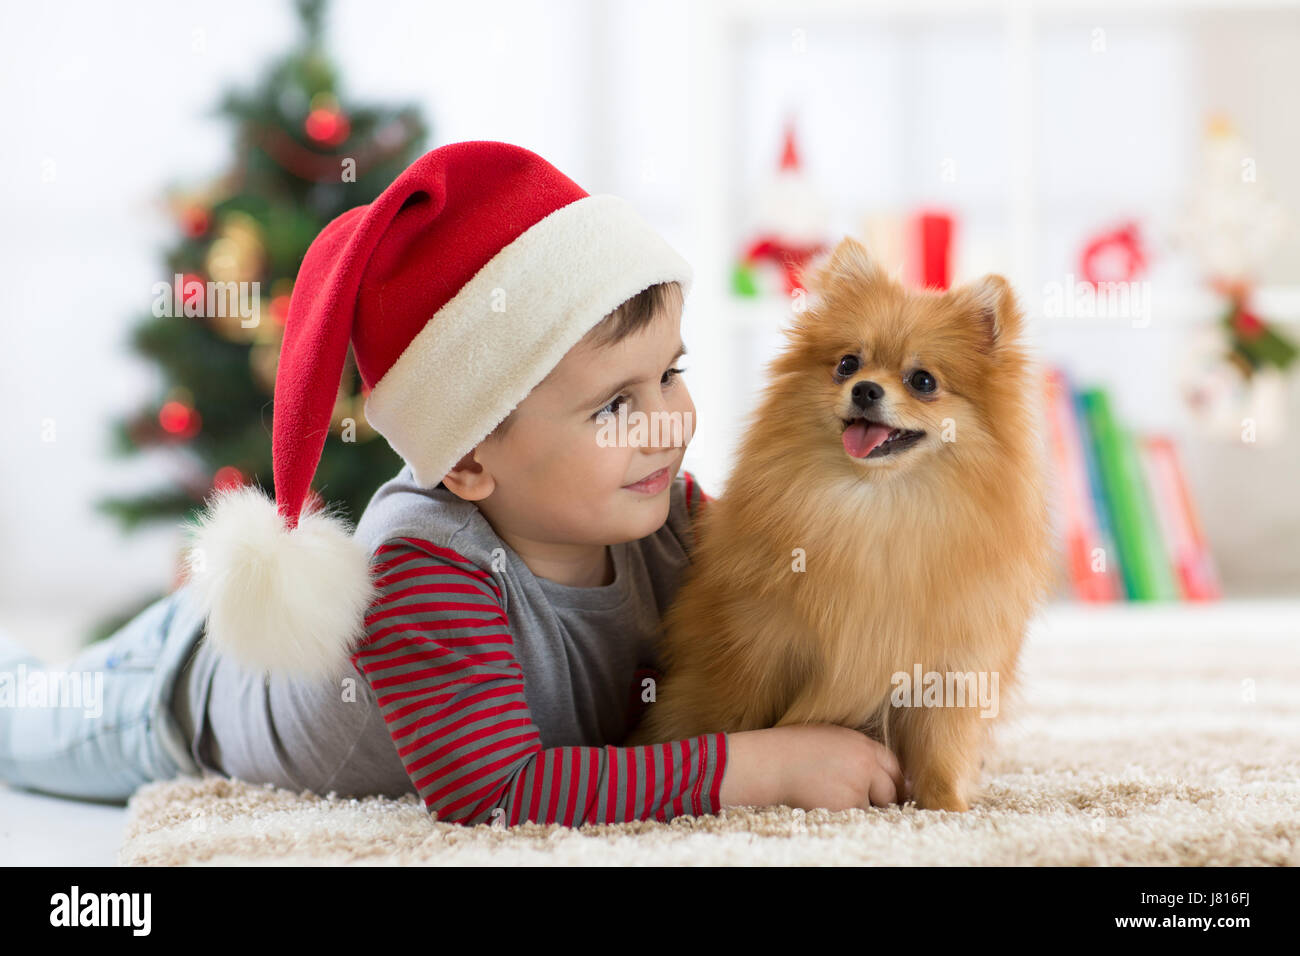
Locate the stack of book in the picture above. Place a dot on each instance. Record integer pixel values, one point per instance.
(1127, 523)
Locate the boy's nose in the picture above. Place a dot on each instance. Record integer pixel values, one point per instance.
(667, 428)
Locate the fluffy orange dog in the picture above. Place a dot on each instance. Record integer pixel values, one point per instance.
(885, 519)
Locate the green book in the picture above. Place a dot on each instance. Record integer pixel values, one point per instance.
(1141, 555)
(1155, 553)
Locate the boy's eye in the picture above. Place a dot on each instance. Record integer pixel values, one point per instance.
(612, 408)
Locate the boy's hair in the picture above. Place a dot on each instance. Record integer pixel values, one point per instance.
(635, 314)
(628, 319)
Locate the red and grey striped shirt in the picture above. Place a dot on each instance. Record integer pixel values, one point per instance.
(506, 694)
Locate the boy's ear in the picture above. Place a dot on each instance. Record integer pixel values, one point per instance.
(994, 303)
(469, 480)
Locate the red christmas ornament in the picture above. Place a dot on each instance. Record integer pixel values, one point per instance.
(195, 220)
(1248, 325)
(1115, 256)
(327, 126)
(279, 309)
(228, 476)
(192, 290)
(179, 420)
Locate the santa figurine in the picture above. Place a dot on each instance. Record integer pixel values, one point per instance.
(790, 228)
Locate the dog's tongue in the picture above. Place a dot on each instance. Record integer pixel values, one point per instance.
(861, 439)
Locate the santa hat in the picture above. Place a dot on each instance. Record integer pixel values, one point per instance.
(460, 287)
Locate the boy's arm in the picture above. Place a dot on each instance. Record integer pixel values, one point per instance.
(438, 655)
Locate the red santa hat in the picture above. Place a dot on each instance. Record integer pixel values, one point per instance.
(460, 288)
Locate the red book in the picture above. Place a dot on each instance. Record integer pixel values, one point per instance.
(1080, 530)
(932, 267)
(1193, 564)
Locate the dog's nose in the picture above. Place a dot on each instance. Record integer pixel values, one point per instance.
(866, 394)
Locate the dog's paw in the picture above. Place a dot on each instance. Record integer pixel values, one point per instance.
(952, 803)
(931, 797)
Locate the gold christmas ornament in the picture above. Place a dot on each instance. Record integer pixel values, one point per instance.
(264, 358)
(268, 331)
(231, 325)
(237, 254)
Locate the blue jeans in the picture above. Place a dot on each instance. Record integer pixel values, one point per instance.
(100, 727)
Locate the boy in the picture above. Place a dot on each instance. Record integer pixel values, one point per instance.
(484, 636)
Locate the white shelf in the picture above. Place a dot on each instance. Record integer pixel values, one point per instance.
(1188, 307)
(1238, 618)
(860, 10)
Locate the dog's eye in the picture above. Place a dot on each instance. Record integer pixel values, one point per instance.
(848, 365)
(922, 381)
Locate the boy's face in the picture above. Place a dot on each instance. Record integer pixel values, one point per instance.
(559, 474)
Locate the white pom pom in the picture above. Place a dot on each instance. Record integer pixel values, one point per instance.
(283, 601)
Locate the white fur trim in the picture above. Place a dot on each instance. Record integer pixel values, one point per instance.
(279, 600)
(482, 353)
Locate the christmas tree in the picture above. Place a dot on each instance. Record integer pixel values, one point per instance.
(302, 157)
(1232, 225)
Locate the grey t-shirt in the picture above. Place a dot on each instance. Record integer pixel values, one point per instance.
(582, 652)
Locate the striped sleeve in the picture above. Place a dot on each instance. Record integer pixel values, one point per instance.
(695, 496)
(438, 654)
(688, 503)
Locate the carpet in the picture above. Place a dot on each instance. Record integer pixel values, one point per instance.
(1125, 747)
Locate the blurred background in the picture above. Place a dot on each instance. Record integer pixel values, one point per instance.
(1133, 168)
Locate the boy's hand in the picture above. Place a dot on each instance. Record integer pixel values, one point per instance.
(810, 766)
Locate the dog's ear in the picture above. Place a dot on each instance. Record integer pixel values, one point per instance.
(994, 306)
(848, 261)
(851, 259)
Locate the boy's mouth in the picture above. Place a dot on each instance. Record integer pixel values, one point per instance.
(655, 481)
(863, 438)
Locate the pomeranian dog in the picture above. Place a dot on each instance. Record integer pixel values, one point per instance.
(885, 520)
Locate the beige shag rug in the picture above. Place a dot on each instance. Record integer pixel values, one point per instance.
(1130, 745)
